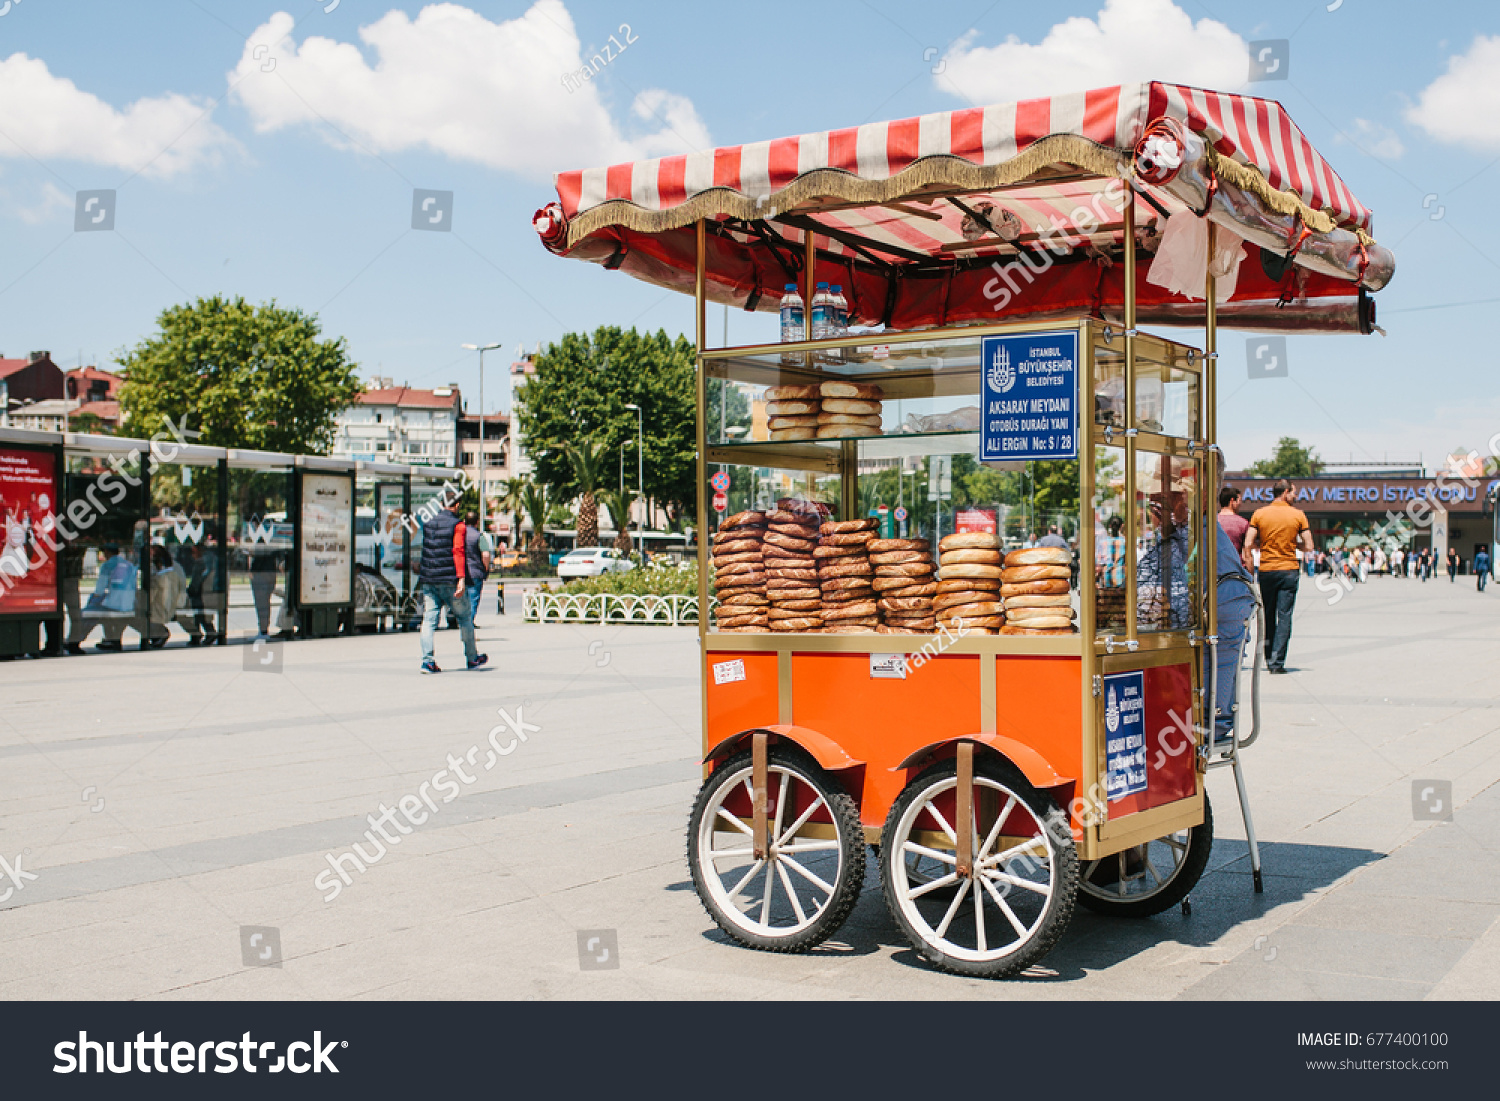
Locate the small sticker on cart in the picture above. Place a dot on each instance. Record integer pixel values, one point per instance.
(888, 666)
(727, 672)
(1125, 734)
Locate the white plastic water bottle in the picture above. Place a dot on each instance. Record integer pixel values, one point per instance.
(793, 330)
(822, 313)
(840, 311)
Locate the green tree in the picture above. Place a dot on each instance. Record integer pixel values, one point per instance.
(587, 462)
(1289, 460)
(619, 503)
(243, 376)
(580, 390)
(535, 504)
(87, 423)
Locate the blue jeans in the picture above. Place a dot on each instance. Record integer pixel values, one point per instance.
(1278, 589)
(474, 590)
(437, 597)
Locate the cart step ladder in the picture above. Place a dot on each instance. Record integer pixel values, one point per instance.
(1222, 750)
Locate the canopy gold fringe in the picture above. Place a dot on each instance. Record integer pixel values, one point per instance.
(947, 171)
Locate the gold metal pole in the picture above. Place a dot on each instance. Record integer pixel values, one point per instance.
(1131, 534)
(810, 281)
(1208, 388)
(1087, 585)
(849, 480)
(701, 493)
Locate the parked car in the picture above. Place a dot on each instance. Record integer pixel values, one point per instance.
(509, 560)
(593, 561)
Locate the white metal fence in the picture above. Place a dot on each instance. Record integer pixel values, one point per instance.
(540, 606)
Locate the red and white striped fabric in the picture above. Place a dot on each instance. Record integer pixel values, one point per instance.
(1250, 130)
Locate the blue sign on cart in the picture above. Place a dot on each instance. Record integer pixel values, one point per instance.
(1125, 734)
(1028, 389)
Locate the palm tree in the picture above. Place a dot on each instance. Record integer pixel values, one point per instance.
(533, 501)
(587, 462)
(508, 499)
(619, 503)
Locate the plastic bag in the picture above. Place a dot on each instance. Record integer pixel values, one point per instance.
(1182, 263)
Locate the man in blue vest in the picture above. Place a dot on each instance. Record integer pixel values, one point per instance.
(442, 573)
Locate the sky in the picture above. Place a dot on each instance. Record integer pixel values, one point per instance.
(272, 150)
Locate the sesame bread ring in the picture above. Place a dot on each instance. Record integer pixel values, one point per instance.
(779, 574)
(970, 622)
(744, 598)
(1040, 556)
(792, 408)
(732, 568)
(970, 569)
(1014, 575)
(859, 391)
(834, 552)
(846, 431)
(841, 527)
(775, 583)
(844, 596)
(779, 435)
(1061, 600)
(851, 406)
(826, 417)
(795, 531)
(845, 567)
(919, 587)
(845, 538)
(969, 540)
(1039, 622)
(791, 393)
(973, 608)
(807, 592)
(737, 546)
(722, 560)
(982, 557)
(852, 609)
(905, 569)
(1051, 587)
(970, 584)
(926, 624)
(805, 505)
(804, 607)
(896, 557)
(790, 542)
(953, 600)
(906, 604)
(744, 518)
(804, 517)
(883, 545)
(806, 624)
(775, 424)
(854, 581)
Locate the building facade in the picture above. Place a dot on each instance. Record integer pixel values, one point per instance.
(400, 424)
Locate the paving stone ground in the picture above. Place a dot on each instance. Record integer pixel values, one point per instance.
(165, 800)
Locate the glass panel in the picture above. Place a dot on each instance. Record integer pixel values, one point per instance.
(260, 548)
(1166, 491)
(1166, 396)
(187, 567)
(101, 566)
(1109, 540)
(1109, 384)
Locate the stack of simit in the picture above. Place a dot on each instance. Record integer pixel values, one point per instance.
(969, 589)
(739, 575)
(792, 412)
(1035, 589)
(791, 570)
(848, 409)
(844, 575)
(904, 583)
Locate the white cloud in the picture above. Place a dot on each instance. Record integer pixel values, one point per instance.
(454, 82)
(1375, 139)
(1463, 105)
(52, 201)
(49, 117)
(1131, 41)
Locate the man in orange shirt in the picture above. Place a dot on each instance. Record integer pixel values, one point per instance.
(1279, 530)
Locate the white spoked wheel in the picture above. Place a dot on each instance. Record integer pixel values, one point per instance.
(1148, 879)
(799, 891)
(1010, 908)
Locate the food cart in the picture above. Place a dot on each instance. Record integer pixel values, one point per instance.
(1013, 727)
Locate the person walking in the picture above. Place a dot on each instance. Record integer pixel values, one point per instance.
(477, 557)
(1231, 521)
(1279, 530)
(1452, 565)
(1482, 566)
(442, 573)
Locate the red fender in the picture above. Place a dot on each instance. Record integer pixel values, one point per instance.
(1037, 770)
(823, 749)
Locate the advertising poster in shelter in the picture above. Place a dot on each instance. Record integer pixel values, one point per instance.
(326, 556)
(28, 500)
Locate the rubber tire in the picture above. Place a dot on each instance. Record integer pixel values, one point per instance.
(1060, 909)
(851, 876)
(1200, 844)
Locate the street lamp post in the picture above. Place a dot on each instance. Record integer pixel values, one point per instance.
(481, 349)
(640, 471)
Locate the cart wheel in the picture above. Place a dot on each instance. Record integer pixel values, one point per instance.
(1151, 878)
(800, 895)
(1013, 907)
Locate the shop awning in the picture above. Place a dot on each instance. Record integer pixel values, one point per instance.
(914, 213)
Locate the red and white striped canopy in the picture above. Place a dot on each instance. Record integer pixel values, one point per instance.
(1246, 129)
